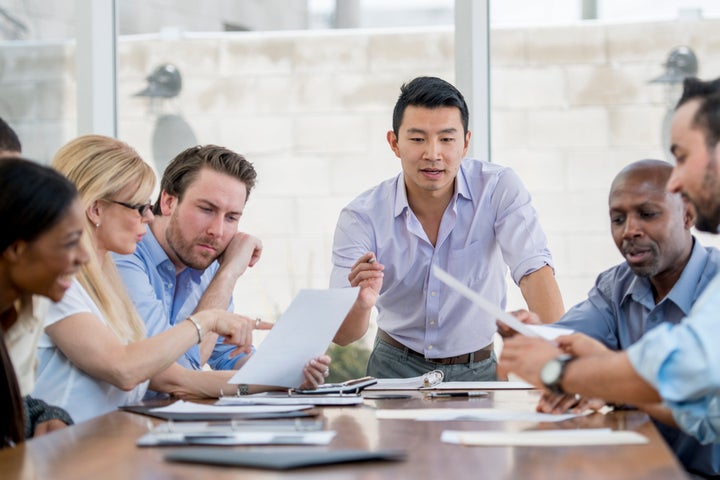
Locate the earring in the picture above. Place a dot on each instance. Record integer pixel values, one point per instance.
(97, 225)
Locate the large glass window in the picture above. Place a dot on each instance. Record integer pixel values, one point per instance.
(579, 89)
(37, 81)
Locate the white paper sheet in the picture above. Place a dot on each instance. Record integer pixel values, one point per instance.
(545, 438)
(294, 400)
(543, 331)
(472, 414)
(303, 332)
(481, 386)
(236, 438)
(182, 406)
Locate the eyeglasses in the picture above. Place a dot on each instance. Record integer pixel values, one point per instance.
(142, 208)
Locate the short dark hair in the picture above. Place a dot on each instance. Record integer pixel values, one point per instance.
(429, 92)
(33, 199)
(707, 116)
(185, 167)
(9, 141)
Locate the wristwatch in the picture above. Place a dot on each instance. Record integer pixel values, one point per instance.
(552, 373)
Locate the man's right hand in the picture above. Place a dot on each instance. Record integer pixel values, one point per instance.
(369, 277)
(580, 345)
(524, 316)
(242, 252)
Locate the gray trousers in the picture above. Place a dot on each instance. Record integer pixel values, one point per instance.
(387, 361)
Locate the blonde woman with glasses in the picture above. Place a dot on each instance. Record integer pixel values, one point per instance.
(94, 354)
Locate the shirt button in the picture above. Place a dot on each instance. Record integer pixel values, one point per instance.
(429, 347)
(433, 293)
(432, 322)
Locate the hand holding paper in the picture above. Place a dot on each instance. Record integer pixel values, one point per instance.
(548, 333)
(303, 332)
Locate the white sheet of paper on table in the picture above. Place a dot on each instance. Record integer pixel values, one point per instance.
(515, 385)
(237, 438)
(472, 414)
(302, 333)
(182, 406)
(294, 400)
(545, 438)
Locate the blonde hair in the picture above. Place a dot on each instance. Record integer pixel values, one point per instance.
(100, 167)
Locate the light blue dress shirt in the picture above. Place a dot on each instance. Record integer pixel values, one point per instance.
(163, 299)
(620, 309)
(488, 226)
(683, 363)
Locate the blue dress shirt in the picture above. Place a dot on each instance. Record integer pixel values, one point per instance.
(488, 226)
(620, 309)
(683, 363)
(164, 299)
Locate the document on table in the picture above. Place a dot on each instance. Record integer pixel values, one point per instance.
(285, 399)
(182, 406)
(517, 385)
(472, 414)
(235, 438)
(303, 332)
(545, 438)
(543, 331)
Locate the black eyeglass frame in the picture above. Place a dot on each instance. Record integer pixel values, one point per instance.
(142, 208)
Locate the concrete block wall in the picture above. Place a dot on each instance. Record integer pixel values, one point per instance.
(570, 107)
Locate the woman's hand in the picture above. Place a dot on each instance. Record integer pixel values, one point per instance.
(236, 329)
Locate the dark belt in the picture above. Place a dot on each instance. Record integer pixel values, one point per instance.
(478, 356)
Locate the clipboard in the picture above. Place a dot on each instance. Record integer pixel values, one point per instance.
(349, 387)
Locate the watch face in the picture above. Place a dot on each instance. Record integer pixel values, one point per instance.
(551, 372)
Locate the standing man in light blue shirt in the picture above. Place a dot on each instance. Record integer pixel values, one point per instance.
(193, 254)
(676, 364)
(469, 217)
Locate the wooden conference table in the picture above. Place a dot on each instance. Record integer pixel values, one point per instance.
(104, 448)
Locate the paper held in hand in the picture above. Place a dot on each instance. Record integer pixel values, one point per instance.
(302, 333)
(543, 331)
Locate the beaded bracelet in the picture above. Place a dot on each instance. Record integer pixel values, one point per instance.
(197, 327)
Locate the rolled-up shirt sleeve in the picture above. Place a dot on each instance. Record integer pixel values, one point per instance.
(682, 362)
(518, 231)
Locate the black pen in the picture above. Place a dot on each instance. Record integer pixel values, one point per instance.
(477, 393)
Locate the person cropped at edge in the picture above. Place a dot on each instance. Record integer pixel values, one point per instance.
(675, 364)
(112, 363)
(193, 253)
(22, 337)
(470, 217)
(665, 271)
(41, 252)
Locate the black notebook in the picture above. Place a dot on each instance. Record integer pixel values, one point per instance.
(279, 459)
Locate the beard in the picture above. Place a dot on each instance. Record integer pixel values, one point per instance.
(707, 208)
(183, 248)
(649, 268)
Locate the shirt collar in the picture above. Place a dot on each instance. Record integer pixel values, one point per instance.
(161, 260)
(461, 189)
(683, 292)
